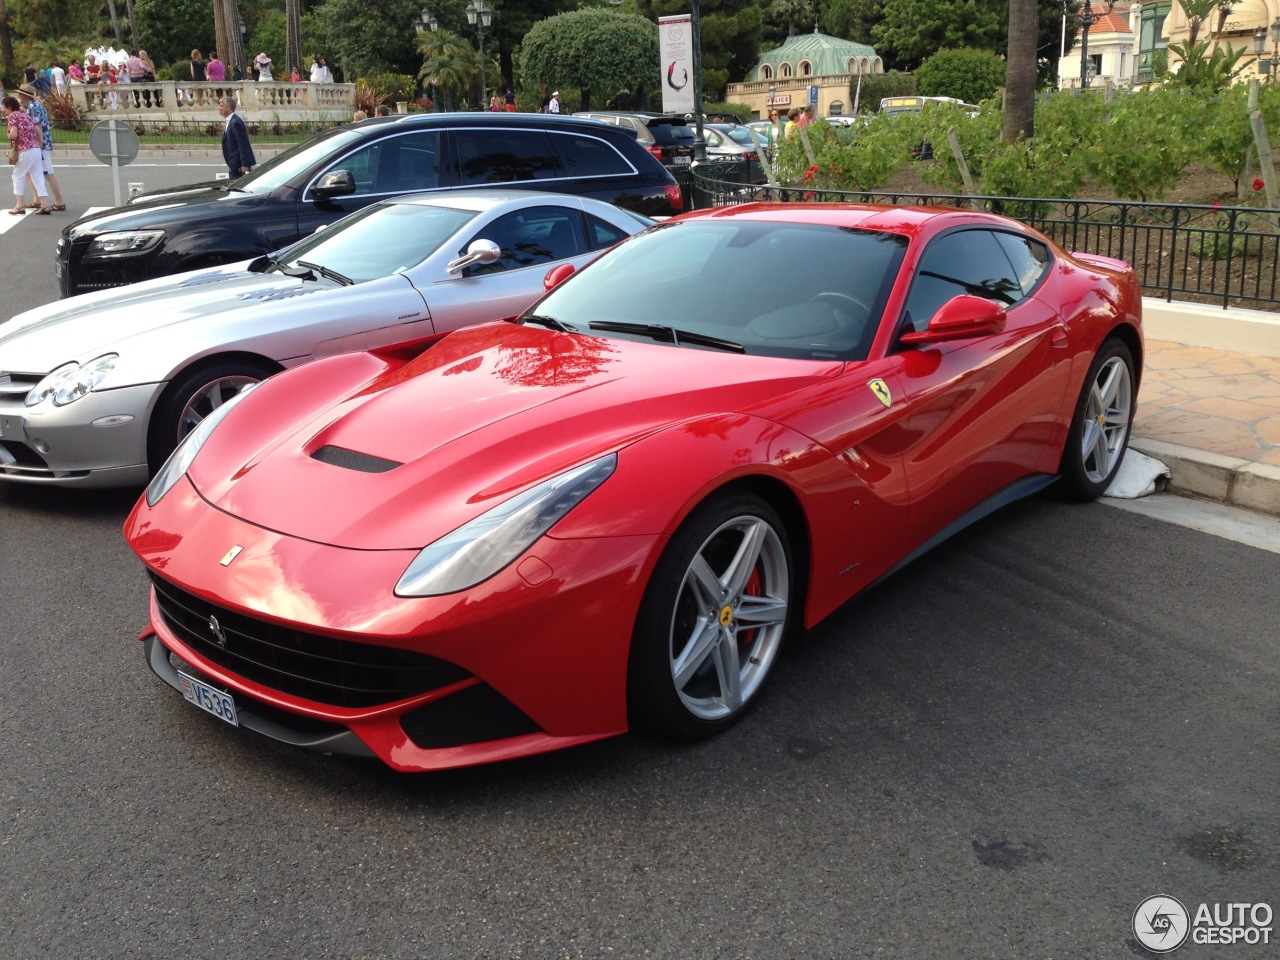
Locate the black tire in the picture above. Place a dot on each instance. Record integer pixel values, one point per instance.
(190, 397)
(691, 636)
(1100, 425)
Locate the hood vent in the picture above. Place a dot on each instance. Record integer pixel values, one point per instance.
(353, 460)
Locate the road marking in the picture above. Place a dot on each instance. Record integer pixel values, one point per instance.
(1218, 519)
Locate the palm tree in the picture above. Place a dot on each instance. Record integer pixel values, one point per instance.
(1020, 72)
(6, 42)
(449, 62)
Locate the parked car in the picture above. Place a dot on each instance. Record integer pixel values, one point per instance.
(669, 138)
(610, 516)
(97, 390)
(338, 172)
(728, 142)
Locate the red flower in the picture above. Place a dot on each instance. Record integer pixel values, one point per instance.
(1258, 184)
(1215, 204)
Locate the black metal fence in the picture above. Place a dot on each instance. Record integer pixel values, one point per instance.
(1229, 256)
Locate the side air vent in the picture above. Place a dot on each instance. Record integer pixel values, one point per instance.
(353, 460)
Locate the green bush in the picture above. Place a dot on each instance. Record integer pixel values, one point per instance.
(730, 111)
(968, 75)
(392, 87)
(876, 88)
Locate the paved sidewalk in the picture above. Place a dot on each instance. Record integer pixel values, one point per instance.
(1212, 414)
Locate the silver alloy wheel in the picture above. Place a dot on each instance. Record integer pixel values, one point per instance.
(1107, 412)
(208, 398)
(729, 617)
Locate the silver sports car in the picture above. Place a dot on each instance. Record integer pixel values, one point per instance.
(96, 390)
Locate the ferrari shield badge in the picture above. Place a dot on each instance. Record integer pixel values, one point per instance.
(881, 390)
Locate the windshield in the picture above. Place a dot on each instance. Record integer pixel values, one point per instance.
(379, 241)
(774, 288)
(283, 167)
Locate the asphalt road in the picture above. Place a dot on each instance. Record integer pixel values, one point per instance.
(1000, 752)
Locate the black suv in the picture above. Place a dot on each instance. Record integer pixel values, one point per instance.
(669, 138)
(333, 174)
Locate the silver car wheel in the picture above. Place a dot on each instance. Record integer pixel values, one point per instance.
(1107, 413)
(729, 618)
(208, 398)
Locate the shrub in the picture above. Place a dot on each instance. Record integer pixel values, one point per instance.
(392, 87)
(876, 88)
(969, 75)
(368, 99)
(63, 110)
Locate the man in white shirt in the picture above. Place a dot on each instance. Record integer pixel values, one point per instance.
(553, 105)
(59, 77)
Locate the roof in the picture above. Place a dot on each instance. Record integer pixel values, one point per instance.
(828, 55)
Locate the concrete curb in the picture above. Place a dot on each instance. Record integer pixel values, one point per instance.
(1212, 476)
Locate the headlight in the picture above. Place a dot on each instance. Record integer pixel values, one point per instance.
(187, 449)
(125, 242)
(72, 381)
(479, 549)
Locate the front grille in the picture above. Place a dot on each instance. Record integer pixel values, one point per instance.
(16, 386)
(317, 668)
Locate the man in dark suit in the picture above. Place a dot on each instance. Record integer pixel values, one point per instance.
(235, 140)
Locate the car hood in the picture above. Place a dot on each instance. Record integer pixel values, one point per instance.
(183, 205)
(476, 419)
(81, 328)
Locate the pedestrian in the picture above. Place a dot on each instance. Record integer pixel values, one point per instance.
(294, 75)
(382, 111)
(24, 153)
(74, 72)
(495, 105)
(40, 116)
(137, 72)
(793, 117)
(510, 98)
(316, 75)
(358, 116)
(215, 69)
(263, 63)
(553, 105)
(326, 75)
(198, 75)
(59, 77)
(235, 140)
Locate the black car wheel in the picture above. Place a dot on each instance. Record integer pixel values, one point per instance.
(1100, 427)
(192, 397)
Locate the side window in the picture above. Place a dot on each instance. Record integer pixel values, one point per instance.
(504, 156)
(529, 237)
(602, 235)
(967, 261)
(1030, 259)
(583, 156)
(395, 164)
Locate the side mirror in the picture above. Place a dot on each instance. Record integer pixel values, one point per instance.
(335, 183)
(480, 251)
(557, 275)
(960, 318)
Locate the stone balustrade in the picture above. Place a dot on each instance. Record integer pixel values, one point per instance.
(258, 101)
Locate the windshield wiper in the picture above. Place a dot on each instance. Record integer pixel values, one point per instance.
(544, 321)
(275, 263)
(328, 274)
(665, 334)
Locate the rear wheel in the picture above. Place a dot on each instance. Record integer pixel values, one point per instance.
(712, 620)
(1100, 428)
(191, 398)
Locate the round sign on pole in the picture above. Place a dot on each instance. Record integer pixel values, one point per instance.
(113, 140)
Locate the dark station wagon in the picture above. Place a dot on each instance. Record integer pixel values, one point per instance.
(327, 177)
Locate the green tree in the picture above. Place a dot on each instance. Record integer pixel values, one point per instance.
(596, 51)
(914, 29)
(171, 29)
(1201, 69)
(848, 19)
(365, 37)
(969, 75)
(449, 65)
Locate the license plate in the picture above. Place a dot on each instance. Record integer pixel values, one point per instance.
(57, 269)
(682, 159)
(209, 699)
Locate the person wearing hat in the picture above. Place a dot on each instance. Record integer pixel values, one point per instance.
(264, 66)
(24, 141)
(235, 140)
(553, 105)
(40, 116)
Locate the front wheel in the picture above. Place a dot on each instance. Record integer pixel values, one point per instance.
(712, 619)
(1100, 427)
(192, 397)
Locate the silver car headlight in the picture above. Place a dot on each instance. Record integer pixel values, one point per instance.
(124, 242)
(188, 447)
(72, 381)
(479, 549)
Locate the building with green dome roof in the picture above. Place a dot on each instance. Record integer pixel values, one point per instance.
(784, 75)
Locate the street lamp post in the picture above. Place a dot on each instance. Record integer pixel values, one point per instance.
(480, 15)
(428, 21)
(1086, 17)
(1267, 66)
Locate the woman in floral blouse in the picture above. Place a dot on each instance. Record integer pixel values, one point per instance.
(25, 137)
